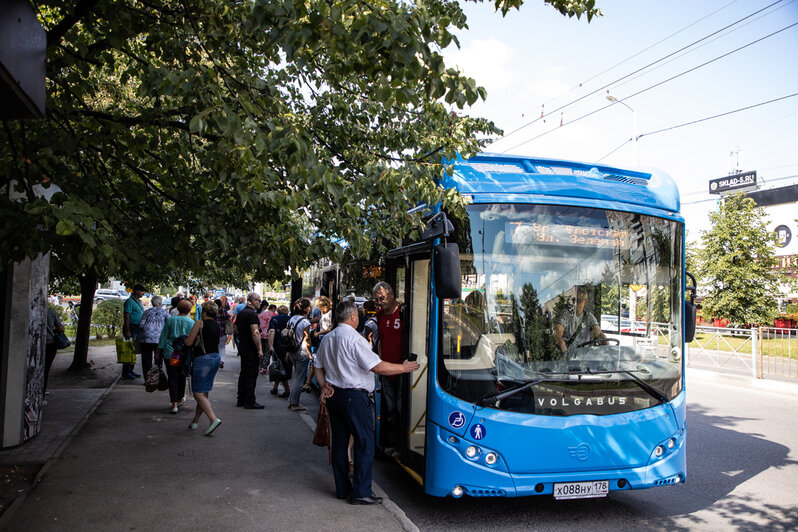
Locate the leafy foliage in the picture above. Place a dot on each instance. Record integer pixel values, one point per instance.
(736, 263)
(109, 315)
(60, 312)
(220, 140)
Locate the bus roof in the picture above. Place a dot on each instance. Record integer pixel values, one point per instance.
(502, 175)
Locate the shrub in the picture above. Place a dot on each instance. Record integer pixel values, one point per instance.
(109, 314)
(60, 312)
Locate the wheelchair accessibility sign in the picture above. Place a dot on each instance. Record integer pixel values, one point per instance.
(457, 419)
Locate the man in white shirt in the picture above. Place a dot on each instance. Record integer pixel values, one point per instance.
(343, 368)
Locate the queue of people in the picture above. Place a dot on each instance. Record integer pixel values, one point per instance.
(340, 346)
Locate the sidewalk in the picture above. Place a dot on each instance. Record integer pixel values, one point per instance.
(782, 386)
(116, 459)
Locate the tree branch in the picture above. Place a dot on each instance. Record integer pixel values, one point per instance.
(82, 8)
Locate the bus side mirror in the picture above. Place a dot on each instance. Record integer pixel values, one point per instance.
(446, 263)
(689, 311)
(689, 321)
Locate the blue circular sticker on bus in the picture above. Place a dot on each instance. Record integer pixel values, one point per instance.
(478, 431)
(457, 419)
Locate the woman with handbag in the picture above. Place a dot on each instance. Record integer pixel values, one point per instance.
(175, 327)
(204, 336)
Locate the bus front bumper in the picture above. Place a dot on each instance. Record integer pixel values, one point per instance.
(451, 471)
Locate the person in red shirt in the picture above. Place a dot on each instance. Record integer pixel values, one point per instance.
(389, 347)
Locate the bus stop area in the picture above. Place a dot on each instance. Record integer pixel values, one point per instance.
(111, 456)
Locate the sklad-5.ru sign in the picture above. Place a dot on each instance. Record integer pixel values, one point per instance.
(732, 182)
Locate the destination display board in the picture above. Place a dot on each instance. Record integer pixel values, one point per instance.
(562, 235)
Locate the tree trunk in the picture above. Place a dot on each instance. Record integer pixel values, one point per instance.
(80, 358)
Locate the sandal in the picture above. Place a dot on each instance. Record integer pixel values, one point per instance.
(306, 387)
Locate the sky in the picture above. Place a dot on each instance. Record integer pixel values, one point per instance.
(537, 61)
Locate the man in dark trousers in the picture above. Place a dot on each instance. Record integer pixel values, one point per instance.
(343, 367)
(389, 346)
(250, 351)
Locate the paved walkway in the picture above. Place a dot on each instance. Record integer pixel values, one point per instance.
(123, 462)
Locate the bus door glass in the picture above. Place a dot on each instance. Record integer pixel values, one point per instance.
(418, 290)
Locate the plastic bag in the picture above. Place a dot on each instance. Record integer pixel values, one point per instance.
(125, 352)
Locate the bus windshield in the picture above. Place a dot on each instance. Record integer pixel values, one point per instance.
(564, 310)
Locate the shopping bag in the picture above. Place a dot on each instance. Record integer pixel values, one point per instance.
(125, 352)
(153, 379)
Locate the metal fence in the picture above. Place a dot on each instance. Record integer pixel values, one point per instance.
(760, 352)
(778, 352)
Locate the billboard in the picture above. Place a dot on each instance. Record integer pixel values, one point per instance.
(722, 185)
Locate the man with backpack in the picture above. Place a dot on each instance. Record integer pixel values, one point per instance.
(296, 338)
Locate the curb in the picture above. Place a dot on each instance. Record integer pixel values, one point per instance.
(9, 512)
(387, 503)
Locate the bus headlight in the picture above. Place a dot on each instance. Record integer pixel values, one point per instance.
(659, 451)
(457, 491)
(471, 451)
(671, 443)
(491, 458)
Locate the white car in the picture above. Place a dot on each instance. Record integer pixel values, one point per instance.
(109, 293)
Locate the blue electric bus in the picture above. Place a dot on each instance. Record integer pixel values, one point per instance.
(550, 321)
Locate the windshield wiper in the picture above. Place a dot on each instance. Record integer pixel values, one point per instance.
(651, 390)
(498, 396)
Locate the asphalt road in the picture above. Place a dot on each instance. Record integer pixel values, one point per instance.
(742, 475)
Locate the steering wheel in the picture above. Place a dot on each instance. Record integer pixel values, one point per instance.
(600, 341)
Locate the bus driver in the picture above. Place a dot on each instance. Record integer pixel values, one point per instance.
(577, 327)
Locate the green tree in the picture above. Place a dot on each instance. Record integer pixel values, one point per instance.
(220, 141)
(736, 263)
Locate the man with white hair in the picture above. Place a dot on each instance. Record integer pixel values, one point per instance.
(343, 368)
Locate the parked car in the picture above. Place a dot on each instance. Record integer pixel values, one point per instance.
(109, 293)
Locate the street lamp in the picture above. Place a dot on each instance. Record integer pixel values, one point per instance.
(613, 99)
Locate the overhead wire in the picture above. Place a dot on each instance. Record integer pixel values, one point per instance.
(624, 143)
(654, 86)
(647, 48)
(769, 181)
(544, 115)
(718, 115)
(695, 49)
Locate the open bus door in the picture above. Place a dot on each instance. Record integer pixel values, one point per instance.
(410, 272)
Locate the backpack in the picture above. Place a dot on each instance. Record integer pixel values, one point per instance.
(288, 340)
(180, 351)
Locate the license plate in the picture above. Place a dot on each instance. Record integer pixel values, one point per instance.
(581, 490)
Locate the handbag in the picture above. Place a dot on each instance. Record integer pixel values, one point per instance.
(153, 378)
(61, 341)
(198, 347)
(163, 381)
(125, 353)
(321, 436)
(228, 327)
(276, 369)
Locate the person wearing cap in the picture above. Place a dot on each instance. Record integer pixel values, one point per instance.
(133, 311)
